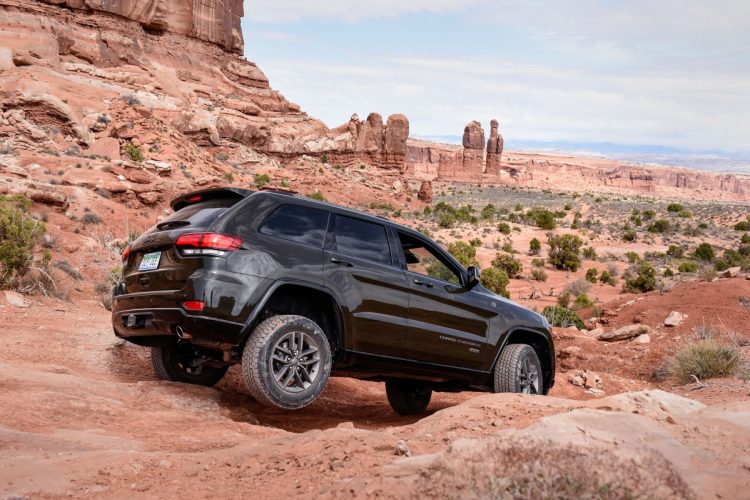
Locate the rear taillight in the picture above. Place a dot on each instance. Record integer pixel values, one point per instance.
(194, 305)
(126, 253)
(214, 244)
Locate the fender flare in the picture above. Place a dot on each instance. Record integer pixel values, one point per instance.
(261, 304)
(547, 339)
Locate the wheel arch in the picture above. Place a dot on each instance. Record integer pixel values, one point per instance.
(542, 345)
(304, 299)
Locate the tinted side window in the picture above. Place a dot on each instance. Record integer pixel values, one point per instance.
(362, 239)
(296, 223)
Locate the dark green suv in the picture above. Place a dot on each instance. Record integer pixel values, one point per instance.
(295, 290)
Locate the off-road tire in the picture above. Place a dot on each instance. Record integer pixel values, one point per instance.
(407, 397)
(167, 365)
(257, 360)
(510, 367)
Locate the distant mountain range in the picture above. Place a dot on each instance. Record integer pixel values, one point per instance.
(709, 160)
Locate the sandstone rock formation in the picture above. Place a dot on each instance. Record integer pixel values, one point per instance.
(473, 158)
(215, 21)
(378, 144)
(494, 150)
(425, 192)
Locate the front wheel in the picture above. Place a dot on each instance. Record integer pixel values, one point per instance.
(182, 362)
(406, 397)
(286, 362)
(518, 370)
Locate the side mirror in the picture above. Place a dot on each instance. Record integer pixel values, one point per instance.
(472, 277)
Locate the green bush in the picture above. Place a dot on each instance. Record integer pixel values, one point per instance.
(261, 180)
(582, 302)
(731, 258)
(535, 247)
(685, 214)
(742, 226)
(688, 267)
(562, 317)
(606, 278)
(19, 235)
(675, 207)
(504, 228)
(538, 274)
(668, 273)
(317, 195)
(589, 253)
(496, 281)
(591, 275)
(705, 252)
(563, 300)
(488, 212)
(642, 279)
(675, 251)
(476, 242)
(133, 152)
(659, 226)
(506, 262)
(629, 235)
(632, 257)
(564, 250)
(703, 358)
(465, 253)
(542, 218)
(537, 262)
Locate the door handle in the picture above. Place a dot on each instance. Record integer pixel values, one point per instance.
(422, 283)
(342, 262)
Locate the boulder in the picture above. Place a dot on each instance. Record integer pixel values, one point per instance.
(106, 147)
(16, 299)
(425, 192)
(642, 339)
(675, 319)
(732, 272)
(625, 333)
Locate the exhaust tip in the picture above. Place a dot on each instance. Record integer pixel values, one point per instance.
(180, 333)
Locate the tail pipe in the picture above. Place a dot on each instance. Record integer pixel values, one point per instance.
(181, 333)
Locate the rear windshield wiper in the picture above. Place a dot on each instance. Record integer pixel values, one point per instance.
(172, 224)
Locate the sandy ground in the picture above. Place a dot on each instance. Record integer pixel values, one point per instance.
(81, 414)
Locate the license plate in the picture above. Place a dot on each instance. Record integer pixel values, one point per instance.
(150, 261)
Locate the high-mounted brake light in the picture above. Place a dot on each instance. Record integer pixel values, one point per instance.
(126, 253)
(215, 244)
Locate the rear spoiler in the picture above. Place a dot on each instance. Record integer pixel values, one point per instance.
(209, 194)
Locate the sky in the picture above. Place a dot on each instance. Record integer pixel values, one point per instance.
(673, 73)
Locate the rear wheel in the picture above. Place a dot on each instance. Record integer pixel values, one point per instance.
(518, 370)
(408, 397)
(286, 362)
(182, 362)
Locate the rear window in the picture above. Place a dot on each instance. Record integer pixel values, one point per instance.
(296, 223)
(198, 215)
(362, 239)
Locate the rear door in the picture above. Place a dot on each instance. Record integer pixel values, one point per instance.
(372, 288)
(448, 323)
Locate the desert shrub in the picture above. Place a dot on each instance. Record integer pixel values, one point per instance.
(582, 302)
(668, 273)
(130, 100)
(636, 220)
(489, 212)
(703, 358)
(562, 317)
(606, 278)
(742, 226)
(707, 273)
(731, 258)
(537, 262)
(578, 287)
(506, 262)
(496, 281)
(688, 267)
(659, 226)
(592, 275)
(564, 251)
(448, 215)
(91, 218)
(629, 235)
(464, 253)
(261, 180)
(68, 269)
(317, 195)
(642, 278)
(535, 246)
(649, 214)
(589, 253)
(568, 207)
(19, 236)
(685, 214)
(476, 242)
(632, 257)
(541, 218)
(675, 207)
(504, 228)
(518, 207)
(134, 152)
(563, 300)
(538, 274)
(675, 251)
(705, 252)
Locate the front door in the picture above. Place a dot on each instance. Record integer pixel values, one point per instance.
(448, 323)
(373, 290)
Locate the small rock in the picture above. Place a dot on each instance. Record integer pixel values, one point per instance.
(674, 319)
(16, 299)
(402, 449)
(625, 333)
(595, 333)
(576, 380)
(671, 419)
(732, 272)
(642, 339)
